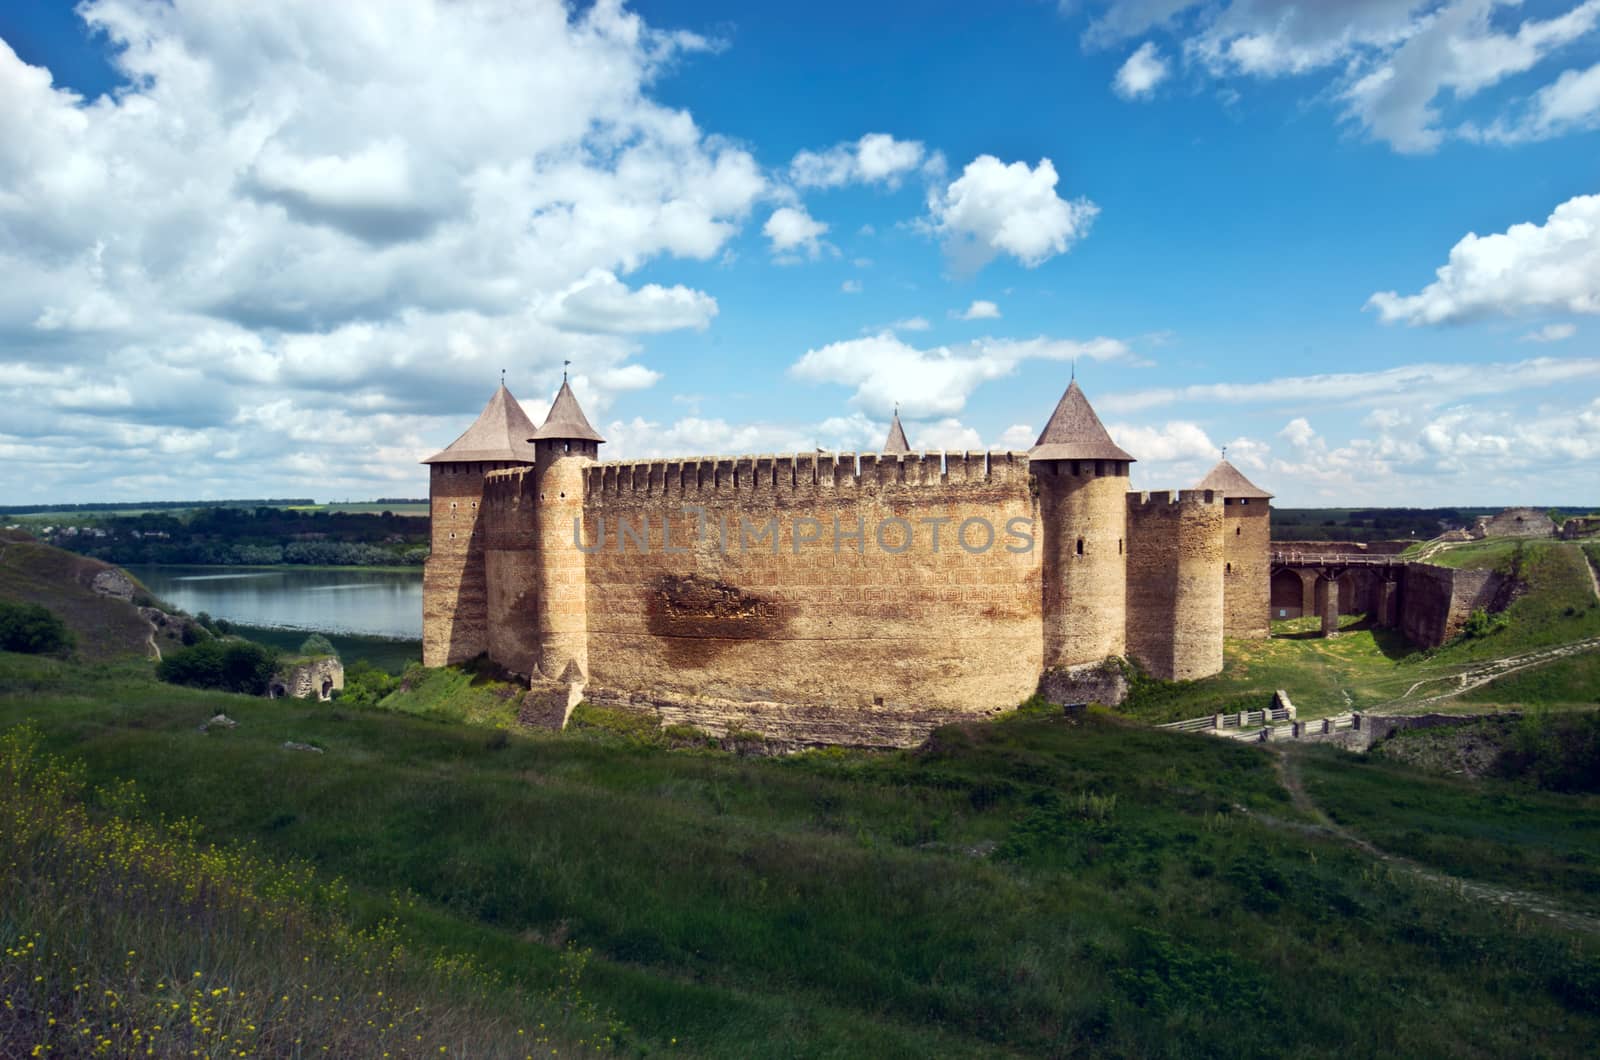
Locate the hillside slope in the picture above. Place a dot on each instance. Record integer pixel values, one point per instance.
(106, 627)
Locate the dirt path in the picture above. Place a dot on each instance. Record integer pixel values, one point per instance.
(1539, 905)
(1482, 674)
(1589, 563)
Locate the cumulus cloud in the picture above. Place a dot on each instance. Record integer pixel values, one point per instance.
(885, 370)
(994, 208)
(1018, 436)
(249, 223)
(911, 324)
(1551, 333)
(795, 235)
(601, 302)
(1170, 442)
(876, 158)
(1145, 69)
(1528, 268)
(979, 310)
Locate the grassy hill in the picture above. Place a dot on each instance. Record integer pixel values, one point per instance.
(35, 573)
(1024, 887)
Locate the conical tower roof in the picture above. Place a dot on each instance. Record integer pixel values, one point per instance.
(566, 419)
(1075, 433)
(500, 434)
(1227, 480)
(896, 442)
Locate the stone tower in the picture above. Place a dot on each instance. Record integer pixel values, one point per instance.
(564, 446)
(455, 617)
(1175, 583)
(1247, 551)
(1083, 486)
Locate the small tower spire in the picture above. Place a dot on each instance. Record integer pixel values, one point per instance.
(896, 442)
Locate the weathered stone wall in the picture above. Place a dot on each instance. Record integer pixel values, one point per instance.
(791, 587)
(1175, 583)
(510, 512)
(560, 470)
(1247, 567)
(1084, 523)
(1435, 601)
(1517, 522)
(1102, 682)
(454, 589)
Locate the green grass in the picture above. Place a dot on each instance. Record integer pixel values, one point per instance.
(1489, 831)
(477, 694)
(1029, 886)
(1487, 554)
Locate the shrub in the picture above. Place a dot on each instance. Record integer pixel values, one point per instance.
(32, 629)
(317, 644)
(1480, 624)
(1558, 752)
(232, 666)
(365, 685)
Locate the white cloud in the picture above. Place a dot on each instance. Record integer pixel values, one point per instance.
(1553, 267)
(979, 310)
(1551, 333)
(1299, 433)
(945, 435)
(876, 158)
(1393, 64)
(1145, 69)
(1455, 49)
(885, 370)
(1017, 436)
(601, 302)
(911, 324)
(1174, 441)
(1426, 384)
(310, 209)
(1570, 102)
(994, 208)
(793, 232)
(850, 287)
(712, 436)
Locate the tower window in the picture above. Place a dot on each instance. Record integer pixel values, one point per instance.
(1119, 546)
(1229, 568)
(1237, 531)
(1080, 546)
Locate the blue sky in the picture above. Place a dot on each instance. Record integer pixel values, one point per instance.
(287, 249)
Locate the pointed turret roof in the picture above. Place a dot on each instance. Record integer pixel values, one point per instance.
(896, 442)
(1075, 433)
(500, 434)
(1227, 480)
(566, 419)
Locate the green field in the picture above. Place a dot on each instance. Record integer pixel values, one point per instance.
(1029, 886)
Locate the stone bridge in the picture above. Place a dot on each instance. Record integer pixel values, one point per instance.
(1329, 583)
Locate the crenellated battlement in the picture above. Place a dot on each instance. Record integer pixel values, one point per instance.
(807, 474)
(1158, 499)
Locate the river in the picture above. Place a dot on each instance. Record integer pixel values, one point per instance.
(350, 601)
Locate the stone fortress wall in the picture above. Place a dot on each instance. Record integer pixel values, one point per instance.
(804, 596)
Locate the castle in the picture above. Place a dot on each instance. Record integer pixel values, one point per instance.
(827, 597)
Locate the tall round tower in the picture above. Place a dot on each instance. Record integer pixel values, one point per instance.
(564, 446)
(1083, 486)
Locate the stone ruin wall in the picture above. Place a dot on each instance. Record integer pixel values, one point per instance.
(1437, 600)
(1517, 522)
(1175, 614)
(1247, 568)
(455, 623)
(721, 637)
